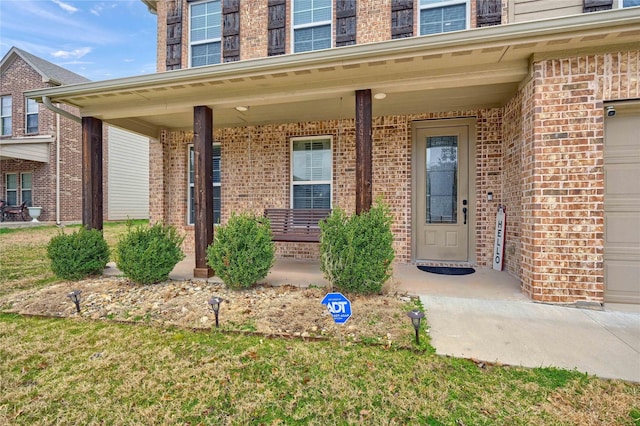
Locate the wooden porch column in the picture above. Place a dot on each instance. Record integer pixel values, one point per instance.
(203, 186)
(364, 149)
(92, 191)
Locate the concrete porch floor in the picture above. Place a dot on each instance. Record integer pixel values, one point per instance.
(483, 284)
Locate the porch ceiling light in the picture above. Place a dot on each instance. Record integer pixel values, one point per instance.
(214, 303)
(75, 298)
(241, 108)
(416, 317)
(380, 95)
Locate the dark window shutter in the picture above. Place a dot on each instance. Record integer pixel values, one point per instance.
(596, 5)
(230, 30)
(488, 12)
(345, 22)
(174, 35)
(276, 27)
(401, 18)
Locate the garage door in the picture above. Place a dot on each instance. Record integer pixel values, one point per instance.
(622, 205)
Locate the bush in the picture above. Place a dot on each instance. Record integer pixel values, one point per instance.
(242, 251)
(356, 253)
(147, 254)
(79, 254)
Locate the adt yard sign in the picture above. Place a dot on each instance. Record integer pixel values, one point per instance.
(339, 307)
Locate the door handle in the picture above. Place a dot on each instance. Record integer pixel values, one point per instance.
(464, 211)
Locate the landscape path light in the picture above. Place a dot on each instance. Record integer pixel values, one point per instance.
(416, 317)
(215, 302)
(75, 298)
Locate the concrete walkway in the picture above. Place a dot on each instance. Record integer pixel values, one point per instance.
(484, 316)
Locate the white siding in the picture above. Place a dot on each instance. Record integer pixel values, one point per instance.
(128, 172)
(531, 10)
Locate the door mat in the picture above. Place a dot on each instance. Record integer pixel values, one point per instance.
(445, 270)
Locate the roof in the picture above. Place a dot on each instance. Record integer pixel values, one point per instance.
(51, 73)
(152, 5)
(456, 71)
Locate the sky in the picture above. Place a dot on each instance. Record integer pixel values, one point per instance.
(99, 40)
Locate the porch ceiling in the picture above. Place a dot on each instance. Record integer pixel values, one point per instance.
(455, 71)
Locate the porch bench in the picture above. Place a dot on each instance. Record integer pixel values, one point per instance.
(14, 212)
(296, 225)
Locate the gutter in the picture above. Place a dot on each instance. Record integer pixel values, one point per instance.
(57, 168)
(59, 111)
(47, 102)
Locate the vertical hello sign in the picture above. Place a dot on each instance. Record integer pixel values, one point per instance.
(498, 247)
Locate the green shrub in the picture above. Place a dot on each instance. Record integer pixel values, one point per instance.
(242, 251)
(356, 253)
(147, 254)
(79, 254)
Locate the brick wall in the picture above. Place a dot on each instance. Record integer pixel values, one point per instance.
(373, 21)
(373, 25)
(19, 78)
(512, 179)
(563, 181)
(255, 173)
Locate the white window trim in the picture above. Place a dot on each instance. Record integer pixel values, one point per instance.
(207, 41)
(192, 185)
(6, 188)
(445, 3)
(2, 117)
(309, 25)
(310, 182)
(26, 117)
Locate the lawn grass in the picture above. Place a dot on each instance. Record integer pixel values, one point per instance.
(75, 371)
(58, 371)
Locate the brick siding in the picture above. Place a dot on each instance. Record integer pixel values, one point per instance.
(17, 79)
(256, 162)
(563, 172)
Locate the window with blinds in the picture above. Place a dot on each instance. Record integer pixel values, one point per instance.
(311, 25)
(311, 173)
(441, 16)
(205, 33)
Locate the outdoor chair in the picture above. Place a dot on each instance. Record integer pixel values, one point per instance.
(15, 212)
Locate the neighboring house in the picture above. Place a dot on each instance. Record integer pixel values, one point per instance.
(40, 151)
(309, 104)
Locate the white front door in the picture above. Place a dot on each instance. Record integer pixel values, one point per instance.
(441, 192)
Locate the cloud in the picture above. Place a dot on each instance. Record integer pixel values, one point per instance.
(66, 6)
(71, 54)
(97, 10)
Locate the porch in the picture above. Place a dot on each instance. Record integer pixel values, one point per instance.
(483, 284)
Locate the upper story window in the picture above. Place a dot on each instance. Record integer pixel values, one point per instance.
(5, 116)
(441, 16)
(311, 25)
(311, 173)
(217, 195)
(31, 116)
(205, 33)
(630, 3)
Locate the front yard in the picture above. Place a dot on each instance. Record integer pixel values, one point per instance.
(133, 357)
